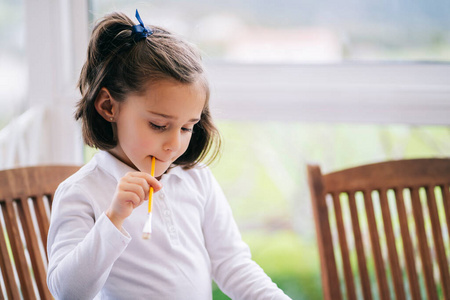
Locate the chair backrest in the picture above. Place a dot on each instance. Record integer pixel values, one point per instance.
(25, 203)
(387, 223)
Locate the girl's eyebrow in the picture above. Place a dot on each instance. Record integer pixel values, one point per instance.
(193, 120)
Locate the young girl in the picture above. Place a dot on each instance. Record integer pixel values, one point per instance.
(144, 95)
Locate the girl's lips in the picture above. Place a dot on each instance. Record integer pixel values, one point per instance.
(160, 160)
(165, 160)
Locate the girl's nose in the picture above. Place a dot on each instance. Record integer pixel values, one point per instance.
(173, 141)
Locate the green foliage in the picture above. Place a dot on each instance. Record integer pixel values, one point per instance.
(291, 262)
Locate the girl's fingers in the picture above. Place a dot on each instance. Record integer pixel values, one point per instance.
(152, 181)
(141, 192)
(130, 197)
(141, 184)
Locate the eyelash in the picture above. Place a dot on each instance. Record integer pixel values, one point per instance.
(157, 127)
(162, 128)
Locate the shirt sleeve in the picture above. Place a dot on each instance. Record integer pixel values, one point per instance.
(81, 248)
(236, 274)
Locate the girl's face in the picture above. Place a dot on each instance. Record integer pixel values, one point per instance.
(157, 123)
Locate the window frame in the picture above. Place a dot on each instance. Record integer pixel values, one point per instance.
(381, 93)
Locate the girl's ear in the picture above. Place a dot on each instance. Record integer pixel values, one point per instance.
(105, 105)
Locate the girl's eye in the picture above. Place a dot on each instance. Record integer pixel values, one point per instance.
(184, 129)
(158, 127)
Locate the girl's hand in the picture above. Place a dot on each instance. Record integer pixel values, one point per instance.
(131, 191)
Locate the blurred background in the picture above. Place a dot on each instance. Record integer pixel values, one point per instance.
(338, 83)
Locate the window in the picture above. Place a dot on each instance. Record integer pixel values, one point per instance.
(337, 83)
(302, 31)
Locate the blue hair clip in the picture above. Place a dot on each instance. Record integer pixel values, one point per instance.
(140, 31)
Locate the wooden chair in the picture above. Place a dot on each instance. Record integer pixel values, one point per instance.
(396, 233)
(25, 202)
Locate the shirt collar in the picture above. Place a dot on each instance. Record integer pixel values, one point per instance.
(175, 171)
(112, 165)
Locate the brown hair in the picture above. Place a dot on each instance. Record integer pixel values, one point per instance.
(120, 64)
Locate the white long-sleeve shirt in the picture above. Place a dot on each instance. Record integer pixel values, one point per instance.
(194, 240)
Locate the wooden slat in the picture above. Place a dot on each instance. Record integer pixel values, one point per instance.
(33, 248)
(408, 249)
(397, 276)
(445, 189)
(427, 264)
(12, 290)
(32, 181)
(414, 172)
(26, 284)
(345, 256)
(50, 202)
(383, 288)
(42, 219)
(330, 279)
(1, 294)
(438, 242)
(363, 273)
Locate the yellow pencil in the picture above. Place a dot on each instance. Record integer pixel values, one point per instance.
(148, 224)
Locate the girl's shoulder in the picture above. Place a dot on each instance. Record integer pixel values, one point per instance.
(85, 173)
(102, 169)
(89, 177)
(88, 185)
